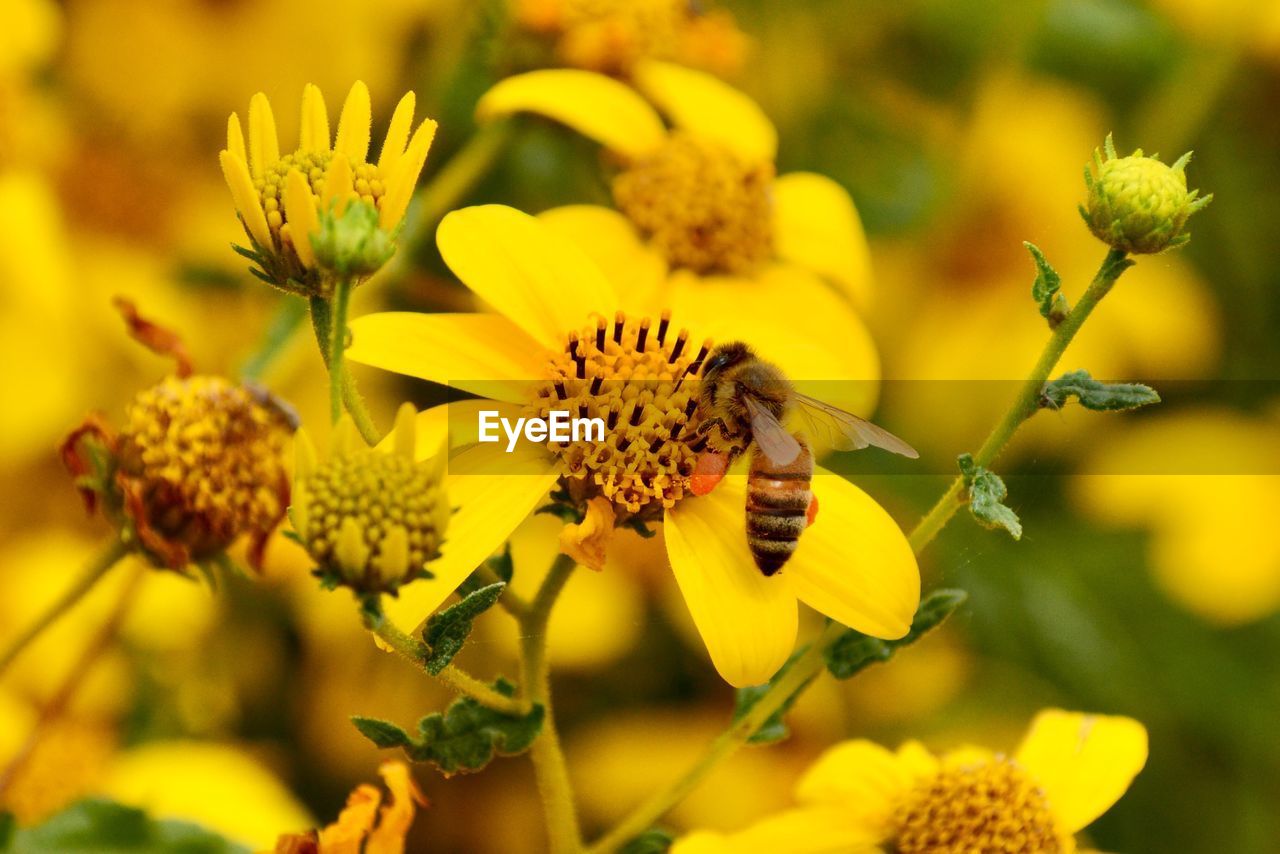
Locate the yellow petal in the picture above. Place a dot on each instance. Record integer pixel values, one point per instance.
(264, 147)
(537, 278)
(747, 621)
(397, 816)
(595, 106)
(339, 183)
(351, 551)
(854, 563)
(480, 353)
(397, 134)
(610, 240)
(246, 198)
(404, 177)
(861, 777)
(455, 423)
(300, 210)
(1084, 763)
(353, 124)
(405, 433)
(809, 830)
(816, 226)
(490, 507)
(825, 349)
(235, 138)
(709, 108)
(315, 120)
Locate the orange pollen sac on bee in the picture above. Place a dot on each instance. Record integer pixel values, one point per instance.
(640, 378)
(700, 205)
(367, 183)
(990, 805)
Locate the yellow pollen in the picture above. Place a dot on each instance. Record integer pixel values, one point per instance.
(703, 207)
(394, 505)
(989, 806)
(640, 378)
(204, 457)
(367, 182)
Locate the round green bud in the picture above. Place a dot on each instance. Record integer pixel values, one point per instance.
(1138, 204)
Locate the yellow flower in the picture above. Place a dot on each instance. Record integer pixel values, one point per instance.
(548, 340)
(700, 199)
(280, 197)
(862, 798)
(361, 827)
(611, 36)
(371, 519)
(1213, 547)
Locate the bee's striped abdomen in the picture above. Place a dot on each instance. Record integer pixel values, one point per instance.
(777, 506)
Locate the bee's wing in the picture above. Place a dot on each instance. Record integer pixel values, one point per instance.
(848, 432)
(772, 438)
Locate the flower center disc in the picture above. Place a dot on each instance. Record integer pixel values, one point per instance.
(989, 806)
(704, 208)
(638, 380)
(367, 183)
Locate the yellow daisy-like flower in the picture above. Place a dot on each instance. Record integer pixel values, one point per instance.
(280, 197)
(861, 798)
(370, 517)
(611, 36)
(699, 199)
(560, 337)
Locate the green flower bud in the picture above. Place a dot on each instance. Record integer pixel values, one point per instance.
(1138, 204)
(350, 243)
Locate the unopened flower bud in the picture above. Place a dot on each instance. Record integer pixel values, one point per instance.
(350, 243)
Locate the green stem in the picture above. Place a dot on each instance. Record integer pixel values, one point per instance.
(337, 346)
(414, 651)
(811, 663)
(512, 602)
(93, 573)
(548, 757)
(447, 187)
(321, 317)
(1028, 400)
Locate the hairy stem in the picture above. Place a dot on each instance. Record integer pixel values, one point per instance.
(415, 652)
(548, 757)
(321, 323)
(337, 345)
(811, 663)
(97, 567)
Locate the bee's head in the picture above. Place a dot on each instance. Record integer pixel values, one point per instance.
(725, 356)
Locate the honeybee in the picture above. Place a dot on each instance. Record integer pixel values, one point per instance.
(744, 401)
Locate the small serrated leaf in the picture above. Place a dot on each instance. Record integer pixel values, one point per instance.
(774, 728)
(987, 493)
(1047, 288)
(1095, 394)
(854, 651)
(467, 735)
(447, 631)
(383, 734)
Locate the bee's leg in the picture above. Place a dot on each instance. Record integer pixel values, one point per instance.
(705, 427)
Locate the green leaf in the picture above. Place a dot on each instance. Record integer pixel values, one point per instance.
(775, 727)
(652, 841)
(854, 651)
(103, 827)
(503, 565)
(987, 493)
(383, 734)
(1095, 394)
(1047, 288)
(468, 735)
(447, 631)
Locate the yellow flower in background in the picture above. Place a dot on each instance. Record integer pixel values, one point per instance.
(700, 199)
(1229, 23)
(548, 340)
(861, 798)
(280, 197)
(361, 827)
(218, 786)
(1188, 478)
(370, 518)
(611, 36)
